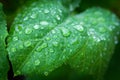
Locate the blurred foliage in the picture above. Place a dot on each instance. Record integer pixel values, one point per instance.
(65, 72)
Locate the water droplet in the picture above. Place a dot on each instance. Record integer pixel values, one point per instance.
(36, 26)
(115, 40)
(101, 55)
(18, 28)
(47, 38)
(46, 73)
(20, 46)
(15, 38)
(55, 43)
(65, 32)
(13, 49)
(51, 50)
(27, 43)
(44, 23)
(53, 31)
(44, 45)
(58, 17)
(33, 15)
(25, 19)
(28, 30)
(79, 28)
(46, 11)
(74, 41)
(37, 62)
(18, 72)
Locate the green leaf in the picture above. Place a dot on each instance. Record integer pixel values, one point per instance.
(29, 27)
(44, 39)
(102, 28)
(3, 53)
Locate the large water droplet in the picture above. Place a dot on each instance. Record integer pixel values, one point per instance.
(37, 62)
(79, 27)
(44, 23)
(15, 38)
(46, 73)
(27, 43)
(28, 30)
(44, 45)
(65, 32)
(55, 43)
(46, 11)
(36, 26)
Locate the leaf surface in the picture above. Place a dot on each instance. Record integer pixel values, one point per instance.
(3, 53)
(44, 39)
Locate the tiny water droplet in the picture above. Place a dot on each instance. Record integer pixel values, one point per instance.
(46, 73)
(44, 23)
(25, 19)
(36, 26)
(20, 46)
(37, 62)
(65, 32)
(18, 28)
(33, 16)
(15, 38)
(53, 31)
(27, 43)
(28, 30)
(55, 43)
(79, 28)
(44, 45)
(47, 38)
(46, 11)
(115, 40)
(51, 50)
(18, 72)
(74, 41)
(58, 17)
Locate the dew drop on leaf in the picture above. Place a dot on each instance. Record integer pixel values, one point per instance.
(79, 27)
(27, 43)
(55, 43)
(65, 32)
(47, 38)
(15, 38)
(46, 11)
(58, 17)
(51, 50)
(28, 30)
(36, 26)
(44, 45)
(46, 73)
(44, 23)
(20, 46)
(33, 16)
(37, 62)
